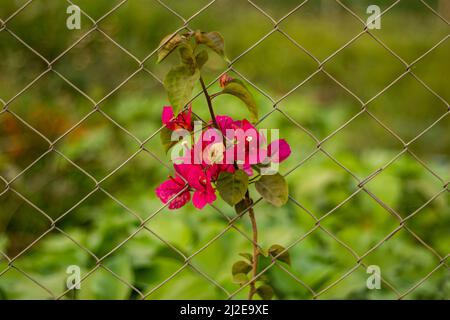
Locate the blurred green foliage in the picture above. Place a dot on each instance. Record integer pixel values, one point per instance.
(100, 218)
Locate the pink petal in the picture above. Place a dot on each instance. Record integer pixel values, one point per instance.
(186, 118)
(202, 198)
(167, 116)
(224, 122)
(171, 188)
(279, 150)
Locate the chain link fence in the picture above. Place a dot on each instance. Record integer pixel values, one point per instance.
(145, 224)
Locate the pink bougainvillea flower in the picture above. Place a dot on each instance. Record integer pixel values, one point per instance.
(278, 151)
(182, 121)
(173, 188)
(198, 180)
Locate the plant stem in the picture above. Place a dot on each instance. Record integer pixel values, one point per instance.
(247, 199)
(251, 214)
(208, 100)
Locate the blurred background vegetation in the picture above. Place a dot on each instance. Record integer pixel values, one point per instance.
(101, 217)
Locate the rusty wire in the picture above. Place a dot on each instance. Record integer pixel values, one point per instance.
(359, 182)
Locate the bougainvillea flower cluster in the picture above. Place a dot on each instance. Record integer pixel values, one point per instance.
(202, 164)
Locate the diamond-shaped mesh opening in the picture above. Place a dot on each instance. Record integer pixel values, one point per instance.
(354, 286)
(430, 223)
(364, 53)
(20, 146)
(414, 116)
(18, 64)
(228, 24)
(319, 260)
(100, 236)
(151, 23)
(10, 8)
(321, 105)
(405, 40)
(361, 216)
(91, 144)
(35, 16)
(16, 285)
(99, 8)
(48, 262)
(51, 182)
(321, 191)
(273, 48)
(21, 223)
(429, 69)
(362, 145)
(433, 148)
(96, 52)
(51, 106)
(313, 21)
(187, 284)
(405, 185)
(402, 261)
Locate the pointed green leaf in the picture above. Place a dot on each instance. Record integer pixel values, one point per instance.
(276, 249)
(213, 40)
(166, 139)
(238, 89)
(247, 256)
(265, 292)
(273, 188)
(240, 278)
(169, 45)
(201, 58)
(179, 83)
(232, 186)
(187, 55)
(241, 267)
(242, 205)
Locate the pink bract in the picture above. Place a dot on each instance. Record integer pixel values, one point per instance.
(182, 121)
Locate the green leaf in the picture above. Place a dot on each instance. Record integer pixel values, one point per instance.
(179, 83)
(247, 256)
(273, 188)
(166, 139)
(241, 267)
(201, 58)
(213, 40)
(232, 186)
(168, 47)
(265, 292)
(240, 278)
(242, 205)
(276, 249)
(238, 89)
(187, 56)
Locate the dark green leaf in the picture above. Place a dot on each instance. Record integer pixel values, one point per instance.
(238, 89)
(169, 45)
(241, 267)
(187, 56)
(232, 186)
(242, 205)
(240, 278)
(201, 58)
(213, 40)
(276, 249)
(247, 256)
(273, 188)
(166, 135)
(265, 292)
(179, 83)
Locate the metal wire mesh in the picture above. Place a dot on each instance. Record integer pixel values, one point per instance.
(141, 148)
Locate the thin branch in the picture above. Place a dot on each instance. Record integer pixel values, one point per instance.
(208, 100)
